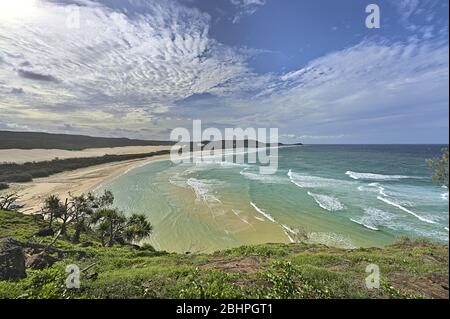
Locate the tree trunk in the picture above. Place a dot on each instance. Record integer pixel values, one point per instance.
(111, 235)
(76, 235)
(50, 221)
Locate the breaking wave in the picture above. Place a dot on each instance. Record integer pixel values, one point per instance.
(389, 202)
(327, 202)
(375, 177)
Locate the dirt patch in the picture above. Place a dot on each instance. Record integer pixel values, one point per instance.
(242, 265)
(431, 286)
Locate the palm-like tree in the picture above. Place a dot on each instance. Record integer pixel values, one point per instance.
(53, 208)
(137, 228)
(112, 226)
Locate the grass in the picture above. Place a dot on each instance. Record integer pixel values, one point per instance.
(408, 269)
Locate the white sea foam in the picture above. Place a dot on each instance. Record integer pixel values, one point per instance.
(267, 216)
(286, 229)
(289, 237)
(327, 202)
(202, 190)
(373, 218)
(373, 187)
(290, 230)
(375, 177)
(444, 196)
(269, 179)
(308, 181)
(392, 203)
(365, 225)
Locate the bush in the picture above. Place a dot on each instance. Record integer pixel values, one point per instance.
(3, 186)
(17, 177)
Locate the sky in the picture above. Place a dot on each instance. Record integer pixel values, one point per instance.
(312, 69)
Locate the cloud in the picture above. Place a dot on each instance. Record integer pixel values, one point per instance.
(350, 93)
(141, 68)
(118, 57)
(36, 76)
(419, 16)
(246, 8)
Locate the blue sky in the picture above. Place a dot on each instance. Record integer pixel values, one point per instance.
(312, 69)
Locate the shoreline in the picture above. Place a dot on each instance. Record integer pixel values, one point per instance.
(75, 182)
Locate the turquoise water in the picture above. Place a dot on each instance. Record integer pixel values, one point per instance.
(347, 196)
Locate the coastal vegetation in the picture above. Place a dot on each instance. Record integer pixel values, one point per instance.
(440, 167)
(33, 140)
(86, 231)
(409, 269)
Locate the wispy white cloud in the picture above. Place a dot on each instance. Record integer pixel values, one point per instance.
(246, 8)
(118, 60)
(362, 88)
(139, 68)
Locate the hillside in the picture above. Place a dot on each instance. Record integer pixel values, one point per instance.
(409, 269)
(31, 140)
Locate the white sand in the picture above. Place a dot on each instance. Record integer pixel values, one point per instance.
(75, 182)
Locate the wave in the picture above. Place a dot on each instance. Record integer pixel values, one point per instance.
(308, 181)
(270, 179)
(375, 177)
(365, 225)
(267, 216)
(389, 202)
(286, 229)
(444, 196)
(373, 218)
(327, 202)
(373, 187)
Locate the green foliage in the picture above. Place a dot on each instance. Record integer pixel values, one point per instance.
(263, 271)
(19, 226)
(211, 284)
(33, 140)
(287, 281)
(440, 167)
(260, 250)
(113, 226)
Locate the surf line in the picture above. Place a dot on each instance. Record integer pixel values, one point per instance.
(364, 225)
(270, 218)
(387, 201)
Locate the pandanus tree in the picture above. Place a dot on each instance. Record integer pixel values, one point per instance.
(55, 209)
(113, 226)
(76, 211)
(52, 208)
(82, 208)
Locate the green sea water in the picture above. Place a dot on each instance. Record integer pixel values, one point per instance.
(342, 195)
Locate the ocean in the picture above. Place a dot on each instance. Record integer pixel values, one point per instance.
(341, 195)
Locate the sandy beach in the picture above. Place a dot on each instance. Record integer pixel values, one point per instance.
(77, 181)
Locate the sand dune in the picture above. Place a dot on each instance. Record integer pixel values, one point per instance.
(39, 155)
